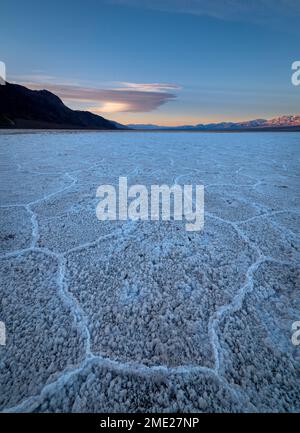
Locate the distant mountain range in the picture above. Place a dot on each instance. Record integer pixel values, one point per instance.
(281, 123)
(40, 109)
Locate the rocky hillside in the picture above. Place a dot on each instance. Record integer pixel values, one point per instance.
(24, 108)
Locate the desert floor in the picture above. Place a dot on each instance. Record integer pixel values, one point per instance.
(140, 315)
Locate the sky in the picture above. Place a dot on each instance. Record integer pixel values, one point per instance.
(168, 62)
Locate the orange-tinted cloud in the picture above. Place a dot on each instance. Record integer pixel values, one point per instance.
(123, 97)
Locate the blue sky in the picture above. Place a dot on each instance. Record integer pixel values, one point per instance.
(167, 62)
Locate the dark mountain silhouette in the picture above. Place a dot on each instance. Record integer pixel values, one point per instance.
(24, 108)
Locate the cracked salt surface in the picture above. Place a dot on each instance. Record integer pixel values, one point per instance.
(144, 316)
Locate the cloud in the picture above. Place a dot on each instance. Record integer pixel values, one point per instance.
(238, 10)
(124, 97)
(111, 107)
(151, 87)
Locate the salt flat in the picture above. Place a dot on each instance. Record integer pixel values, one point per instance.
(145, 316)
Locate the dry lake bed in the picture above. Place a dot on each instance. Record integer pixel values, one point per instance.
(145, 316)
